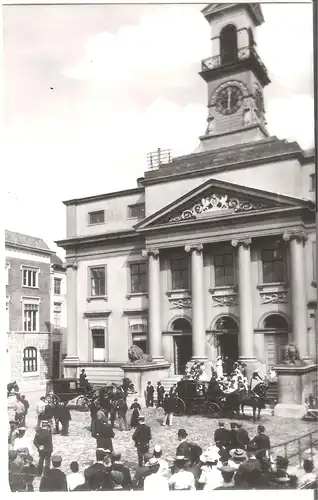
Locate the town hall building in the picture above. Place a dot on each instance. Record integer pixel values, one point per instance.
(213, 253)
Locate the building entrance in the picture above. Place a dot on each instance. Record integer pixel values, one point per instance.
(56, 360)
(276, 338)
(182, 344)
(227, 341)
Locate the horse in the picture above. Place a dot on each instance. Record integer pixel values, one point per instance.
(255, 399)
(12, 386)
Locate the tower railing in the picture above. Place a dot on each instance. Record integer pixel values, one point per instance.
(159, 157)
(241, 54)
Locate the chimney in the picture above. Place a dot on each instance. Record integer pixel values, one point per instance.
(140, 181)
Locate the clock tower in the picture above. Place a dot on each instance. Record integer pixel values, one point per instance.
(235, 76)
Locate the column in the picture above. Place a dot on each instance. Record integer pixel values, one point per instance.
(246, 341)
(71, 361)
(198, 320)
(154, 312)
(297, 241)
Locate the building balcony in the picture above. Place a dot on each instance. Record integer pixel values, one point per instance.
(246, 57)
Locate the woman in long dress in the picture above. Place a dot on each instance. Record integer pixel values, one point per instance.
(135, 407)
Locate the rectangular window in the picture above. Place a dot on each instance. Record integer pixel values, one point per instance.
(30, 277)
(224, 269)
(30, 316)
(314, 261)
(138, 277)
(180, 274)
(273, 265)
(57, 313)
(97, 217)
(98, 281)
(312, 182)
(136, 211)
(57, 286)
(30, 362)
(98, 337)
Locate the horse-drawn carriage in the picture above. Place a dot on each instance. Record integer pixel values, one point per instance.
(194, 396)
(66, 389)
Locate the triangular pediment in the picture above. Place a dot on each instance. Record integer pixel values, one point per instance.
(215, 199)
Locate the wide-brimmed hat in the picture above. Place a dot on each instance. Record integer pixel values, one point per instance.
(227, 468)
(22, 428)
(141, 417)
(180, 458)
(210, 455)
(152, 462)
(238, 454)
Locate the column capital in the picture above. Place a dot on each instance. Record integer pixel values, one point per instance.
(295, 234)
(194, 248)
(154, 252)
(245, 242)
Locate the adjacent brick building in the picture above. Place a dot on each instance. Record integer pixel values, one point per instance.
(30, 267)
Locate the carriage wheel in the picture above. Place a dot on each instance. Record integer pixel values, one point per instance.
(180, 407)
(214, 409)
(52, 399)
(82, 402)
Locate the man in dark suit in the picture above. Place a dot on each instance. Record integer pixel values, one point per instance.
(261, 443)
(142, 436)
(160, 394)
(141, 473)
(222, 437)
(44, 444)
(119, 466)
(184, 448)
(149, 394)
(233, 435)
(242, 436)
(54, 479)
(104, 435)
(65, 418)
(97, 476)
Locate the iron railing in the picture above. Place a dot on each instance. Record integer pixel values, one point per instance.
(241, 54)
(297, 447)
(157, 158)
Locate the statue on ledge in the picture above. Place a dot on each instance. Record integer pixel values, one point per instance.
(136, 355)
(291, 355)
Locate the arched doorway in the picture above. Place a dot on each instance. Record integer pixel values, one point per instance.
(275, 328)
(182, 335)
(226, 330)
(228, 44)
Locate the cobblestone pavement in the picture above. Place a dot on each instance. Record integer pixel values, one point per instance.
(80, 446)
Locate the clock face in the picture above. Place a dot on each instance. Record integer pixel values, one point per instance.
(229, 99)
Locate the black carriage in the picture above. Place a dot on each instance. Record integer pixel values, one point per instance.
(194, 397)
(66, 389)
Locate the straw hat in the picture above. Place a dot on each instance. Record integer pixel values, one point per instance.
(238, 454)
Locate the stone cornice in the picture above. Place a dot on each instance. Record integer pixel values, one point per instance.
(97, 314)
(105, 196)
(129, 234)
(245, 242)
(295, 234)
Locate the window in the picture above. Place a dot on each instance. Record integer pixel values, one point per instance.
(138, 277)
(180, 274)
(97, 217)
(228, 44)
(136, 211)
(139, 336)
(30, 317)
(312, 182)
(98, 337)
(57, 286)
(314, 262)
(57, 314)
(30, 360)
(224, 269)
(30, 277)
(273, 265)
(98, 281)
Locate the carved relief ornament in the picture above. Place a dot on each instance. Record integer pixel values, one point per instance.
(274, 297)
(181, 304)
(225, 300)
(215, 203)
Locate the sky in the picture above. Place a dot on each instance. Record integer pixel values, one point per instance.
(89, 90)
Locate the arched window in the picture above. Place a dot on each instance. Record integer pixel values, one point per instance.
(227, 324)
(228, 44)
(30, 360)
(181, 325)
(275, 322)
